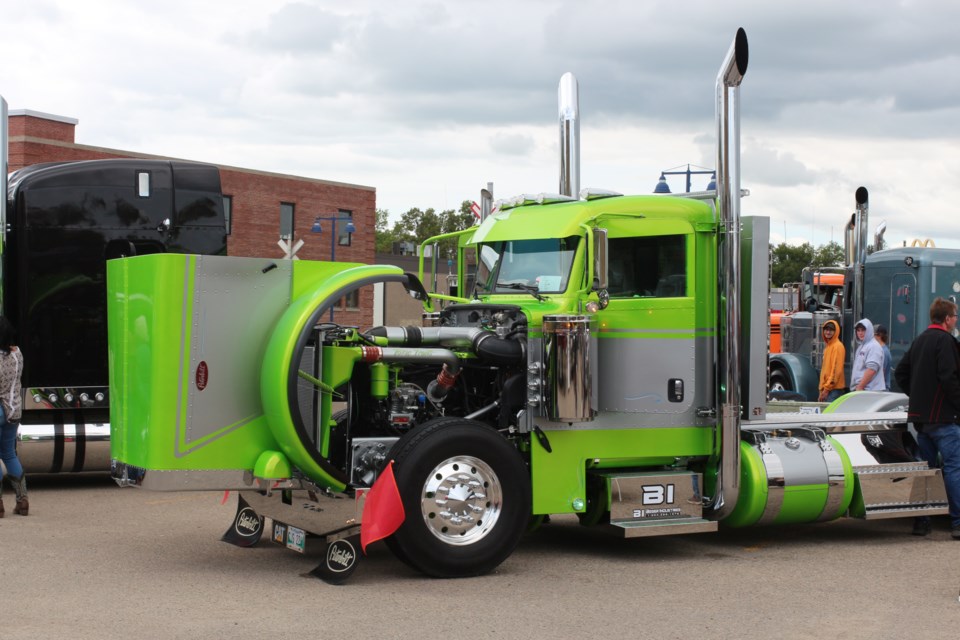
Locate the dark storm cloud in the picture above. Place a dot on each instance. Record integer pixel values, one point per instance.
(428, 64)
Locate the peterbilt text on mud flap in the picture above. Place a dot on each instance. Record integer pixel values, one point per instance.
(597, 370)
(59, 224)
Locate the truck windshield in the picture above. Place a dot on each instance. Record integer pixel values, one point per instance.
(518, 266)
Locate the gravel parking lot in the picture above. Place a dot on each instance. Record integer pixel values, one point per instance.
(96, 561)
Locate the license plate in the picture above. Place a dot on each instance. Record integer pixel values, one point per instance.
(296, 539)
(290, 537)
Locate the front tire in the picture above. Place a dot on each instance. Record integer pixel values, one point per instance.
(466, 494)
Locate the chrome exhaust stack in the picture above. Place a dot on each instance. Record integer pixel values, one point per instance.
(860, 234)
(568, 98)
(878, 233)
(4, 166)
(486, 201)
(728, 200)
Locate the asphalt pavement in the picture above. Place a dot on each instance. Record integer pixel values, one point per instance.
(96, 561)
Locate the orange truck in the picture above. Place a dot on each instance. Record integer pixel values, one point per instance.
(822, 289)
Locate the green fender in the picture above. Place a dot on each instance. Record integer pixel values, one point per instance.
(278, 374)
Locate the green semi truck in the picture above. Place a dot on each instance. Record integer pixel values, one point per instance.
(609, 361)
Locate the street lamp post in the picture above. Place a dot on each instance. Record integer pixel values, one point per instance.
(318, 228)
(663, 187)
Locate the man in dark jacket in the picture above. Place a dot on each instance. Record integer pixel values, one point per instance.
(930, 374)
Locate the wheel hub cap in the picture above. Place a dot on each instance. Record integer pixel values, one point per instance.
(461, 500)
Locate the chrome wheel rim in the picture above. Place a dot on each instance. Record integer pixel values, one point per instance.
(462, 500)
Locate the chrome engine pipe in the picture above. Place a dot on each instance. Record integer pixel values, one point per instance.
(479, 412)
(485, 344)
(398, 354)
(860, 249)
(452, 336)
(728, 200)
(412, 336)
(568, 99)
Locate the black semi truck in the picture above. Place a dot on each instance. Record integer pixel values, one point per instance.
(61, 222)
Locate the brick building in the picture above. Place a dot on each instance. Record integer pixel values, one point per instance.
(260, 205)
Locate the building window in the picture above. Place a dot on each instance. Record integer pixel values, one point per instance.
(343, 218)
(286, 220)
(352, 299)
(228, 213)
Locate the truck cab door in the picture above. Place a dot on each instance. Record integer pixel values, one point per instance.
(649, 342)
(903, 313)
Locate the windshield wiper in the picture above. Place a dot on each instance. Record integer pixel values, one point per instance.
(532, 290)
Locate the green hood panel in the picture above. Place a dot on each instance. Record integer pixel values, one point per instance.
(194, 384)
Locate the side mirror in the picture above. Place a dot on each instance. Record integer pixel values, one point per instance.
(599, 259)
(414, 287)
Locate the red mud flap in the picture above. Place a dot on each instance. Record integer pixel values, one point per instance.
(383, 509)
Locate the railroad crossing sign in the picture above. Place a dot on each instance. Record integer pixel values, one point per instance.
(290, 251)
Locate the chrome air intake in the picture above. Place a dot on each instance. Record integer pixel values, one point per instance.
(568, 98)
(570, 361)
(728, 199)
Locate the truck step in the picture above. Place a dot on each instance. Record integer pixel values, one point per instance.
(656, 503)
(899, 490)
(634, 529)
(880, 513)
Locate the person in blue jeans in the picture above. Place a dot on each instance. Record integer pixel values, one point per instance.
(880, 332)
(929, 373)
(11, 403)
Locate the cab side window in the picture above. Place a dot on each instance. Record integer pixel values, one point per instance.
(647, 267)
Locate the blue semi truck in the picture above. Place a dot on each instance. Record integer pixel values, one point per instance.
(893, 287)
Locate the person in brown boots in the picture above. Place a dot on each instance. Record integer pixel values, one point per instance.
(11, 368)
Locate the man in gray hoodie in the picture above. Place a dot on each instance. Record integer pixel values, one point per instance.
(867, 371)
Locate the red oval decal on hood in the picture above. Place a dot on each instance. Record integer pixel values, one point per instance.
(202, 374)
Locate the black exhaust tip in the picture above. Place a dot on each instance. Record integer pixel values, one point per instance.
(742, 51)
(862, 195)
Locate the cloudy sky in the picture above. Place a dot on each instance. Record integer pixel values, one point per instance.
(429, 101)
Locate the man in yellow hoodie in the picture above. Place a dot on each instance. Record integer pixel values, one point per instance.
(832, 383)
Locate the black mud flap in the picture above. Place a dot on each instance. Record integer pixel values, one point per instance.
(247, 526)
(340, 560)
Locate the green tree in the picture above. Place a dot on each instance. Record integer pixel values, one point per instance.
(416, 225)
(787, 261)
(384, 235)
(829, 255)
(457, 220)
